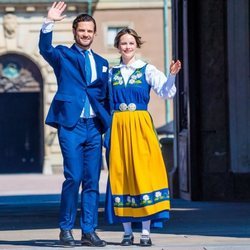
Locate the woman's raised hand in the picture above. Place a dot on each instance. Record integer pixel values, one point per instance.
(175, 67)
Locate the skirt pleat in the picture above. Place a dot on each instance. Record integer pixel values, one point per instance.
(138, 183)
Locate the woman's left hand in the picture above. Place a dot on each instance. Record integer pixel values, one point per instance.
(175, 67)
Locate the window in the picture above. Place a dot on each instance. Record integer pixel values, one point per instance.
(112, 31)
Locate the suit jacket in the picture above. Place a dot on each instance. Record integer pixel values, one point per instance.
(68, 102)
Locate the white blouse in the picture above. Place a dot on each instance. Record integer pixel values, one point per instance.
(162, 85)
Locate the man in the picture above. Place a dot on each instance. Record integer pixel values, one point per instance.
(80, 113)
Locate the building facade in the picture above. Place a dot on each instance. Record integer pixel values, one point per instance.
(27, 82)
(212, 105)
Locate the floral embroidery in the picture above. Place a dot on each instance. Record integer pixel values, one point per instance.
(145, 200)
(118, 202)
(133, 203)
(117, 199)
(141, 200)
(128, 203)
(117, 79)
(158, 196)
(135, 78)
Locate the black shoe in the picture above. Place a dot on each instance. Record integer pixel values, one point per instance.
(127, 240)
(145, 241)
(66, 238)
(92, 239)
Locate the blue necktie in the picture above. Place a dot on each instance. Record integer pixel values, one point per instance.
(88, 80)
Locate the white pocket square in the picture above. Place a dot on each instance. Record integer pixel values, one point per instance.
(104, 69)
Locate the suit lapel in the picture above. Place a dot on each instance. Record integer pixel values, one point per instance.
(81, 62)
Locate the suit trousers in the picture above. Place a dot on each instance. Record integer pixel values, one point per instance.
(81, 148)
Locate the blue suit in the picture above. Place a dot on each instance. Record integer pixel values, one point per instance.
(80, 139)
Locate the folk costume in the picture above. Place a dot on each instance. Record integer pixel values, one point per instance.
(138, 185)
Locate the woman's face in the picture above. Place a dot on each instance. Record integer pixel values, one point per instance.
(127, 47)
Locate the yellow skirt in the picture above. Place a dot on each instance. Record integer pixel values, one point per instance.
(137, 173)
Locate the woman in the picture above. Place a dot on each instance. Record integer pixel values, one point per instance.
(138, 187)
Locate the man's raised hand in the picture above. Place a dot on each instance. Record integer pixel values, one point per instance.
(56, 10)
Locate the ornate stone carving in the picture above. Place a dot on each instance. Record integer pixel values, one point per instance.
(9, 25)
(16, 79)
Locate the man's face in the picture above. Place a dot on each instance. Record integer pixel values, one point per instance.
(84, 34)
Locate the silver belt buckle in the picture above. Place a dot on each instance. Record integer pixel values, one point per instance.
(131, 106)
(123, 106)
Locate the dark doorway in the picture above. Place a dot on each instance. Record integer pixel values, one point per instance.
(21, 144)
(186, 101)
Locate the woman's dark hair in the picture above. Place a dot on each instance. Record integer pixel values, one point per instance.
(83, 18)
(130, 32)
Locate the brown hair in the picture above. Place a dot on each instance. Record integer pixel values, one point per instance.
(130, 32)
(83, 18)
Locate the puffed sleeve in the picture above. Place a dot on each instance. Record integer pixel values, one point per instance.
(162, 85)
